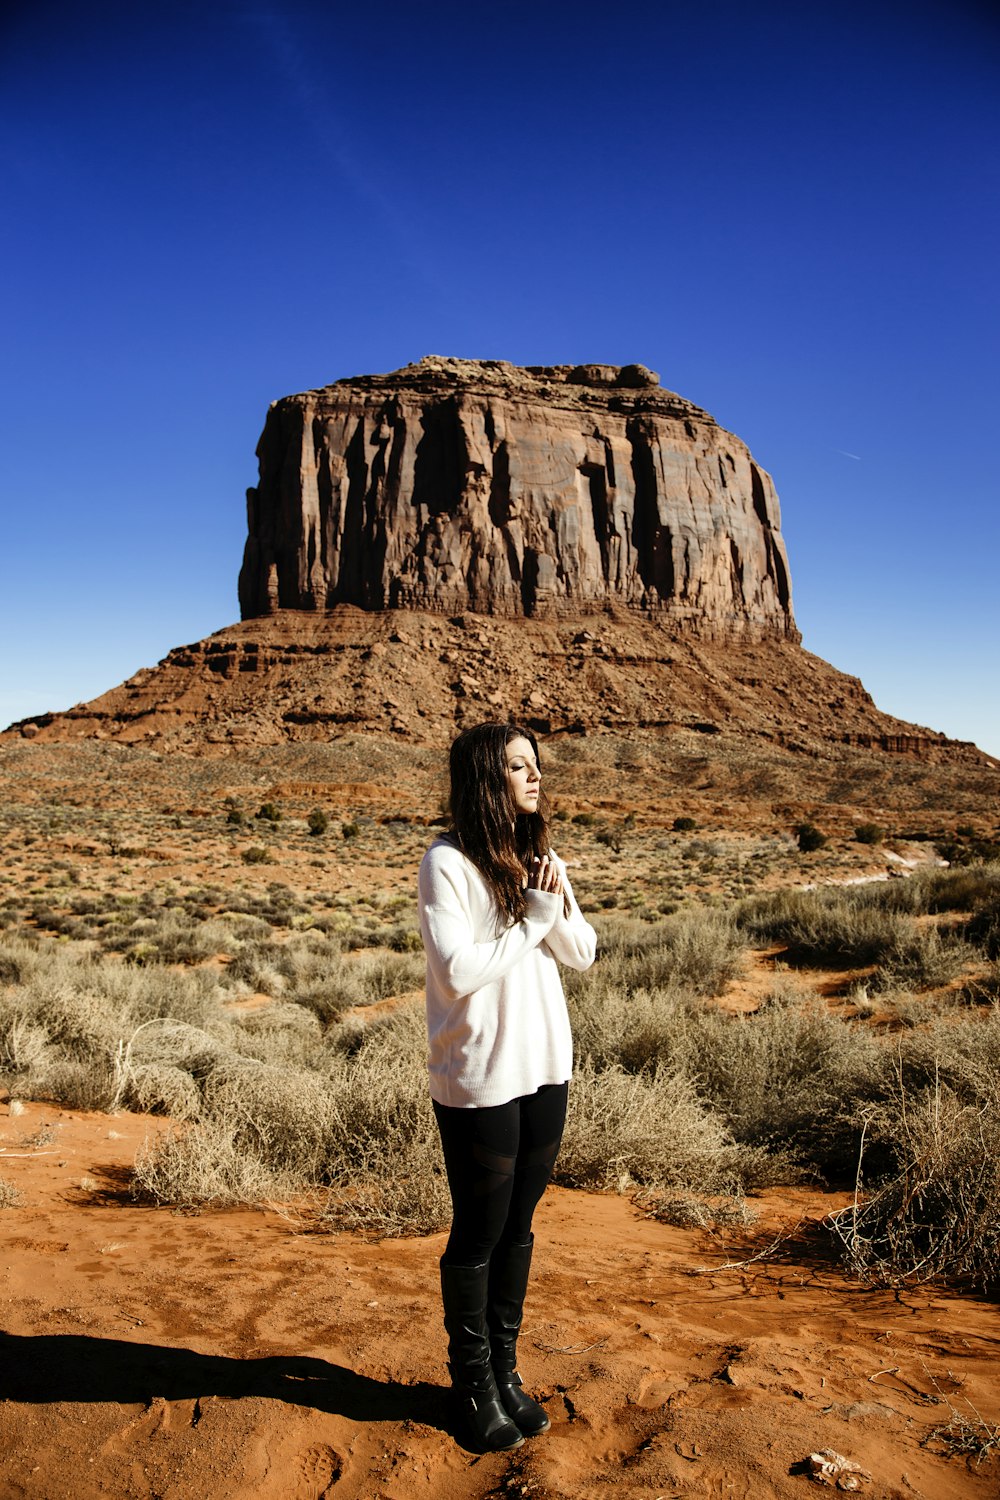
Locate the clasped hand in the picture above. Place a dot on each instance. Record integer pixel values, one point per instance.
(543, 875)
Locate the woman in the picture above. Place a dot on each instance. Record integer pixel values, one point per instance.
(496, 912)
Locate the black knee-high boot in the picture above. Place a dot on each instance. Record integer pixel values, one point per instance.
(463, 1292)
(508, 1282)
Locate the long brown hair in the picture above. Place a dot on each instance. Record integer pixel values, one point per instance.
(485, 823)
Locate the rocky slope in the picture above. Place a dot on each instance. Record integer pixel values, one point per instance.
(417, 676)
(476, 485)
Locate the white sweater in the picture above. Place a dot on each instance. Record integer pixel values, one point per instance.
(496, 1015)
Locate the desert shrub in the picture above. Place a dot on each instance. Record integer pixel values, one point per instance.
(268, 812)
(826, 927)
(235, 817)
(77, 1083)
(257, 966)
(983, 928)
(171, 937)
(938, 1213)
(967, 888)
(363, 1128)
(163, 1089)
(647, 1129)
(350, 830)
(378, 974)
(923, 959)
(810, 838)
(964, 1059)
(385, 1168)
(66, 1030)
(869, 833)
(256, 854)
(684, 825)
(705, 947)
(635, 1030)
(689, 1210)
(974, 852)
(10, 968)
(283, 1035)
(701, 949)
(204, 1163)
(789, 1080)
(317, 822)
(402, 937)
(281, 1116)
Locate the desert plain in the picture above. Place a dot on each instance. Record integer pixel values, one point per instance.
(693, 1328)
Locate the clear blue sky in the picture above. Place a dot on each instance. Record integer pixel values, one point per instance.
(787, 209)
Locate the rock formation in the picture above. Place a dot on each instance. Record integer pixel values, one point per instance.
(551, 492)
(573, 547)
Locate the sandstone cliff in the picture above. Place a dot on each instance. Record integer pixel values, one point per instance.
(458, 485)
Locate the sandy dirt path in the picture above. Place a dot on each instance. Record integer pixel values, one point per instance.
(147, 1353)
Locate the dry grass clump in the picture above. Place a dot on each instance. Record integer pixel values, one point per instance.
(700, 950)
(10, 1196)
(316, 1093)
(784, 1084)
(624, 1129)
(938, 1213)
(983, 928)
(875, 925)
(686, 1210)
(792, 1089)
(787, 1081)
(386, 1173)
(359, 1126)
(827, 926)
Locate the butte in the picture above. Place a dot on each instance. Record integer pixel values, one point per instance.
(573, 546)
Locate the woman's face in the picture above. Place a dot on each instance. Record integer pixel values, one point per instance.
(523, 775)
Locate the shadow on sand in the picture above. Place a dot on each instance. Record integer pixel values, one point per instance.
(75, 1367)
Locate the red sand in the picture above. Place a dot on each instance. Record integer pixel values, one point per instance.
(149, 1353)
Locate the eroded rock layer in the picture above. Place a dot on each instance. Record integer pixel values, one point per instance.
(459, 485)
(416, 677)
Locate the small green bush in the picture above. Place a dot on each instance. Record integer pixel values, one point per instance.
(269, 812)
(317, 821)
(810, 838)
(684, 825)
(350, 830)
(869, 833)
(234, 816)
(983, 929)
(256, 854)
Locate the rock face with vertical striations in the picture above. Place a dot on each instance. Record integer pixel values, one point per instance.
(551, 492)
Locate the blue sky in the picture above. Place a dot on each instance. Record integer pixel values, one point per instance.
(789, 210)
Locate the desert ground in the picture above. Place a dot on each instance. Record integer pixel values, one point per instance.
(690, 1335)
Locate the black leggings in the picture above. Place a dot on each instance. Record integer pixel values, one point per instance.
(499, 1161)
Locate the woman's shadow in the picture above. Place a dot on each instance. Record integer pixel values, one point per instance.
(76, 1367)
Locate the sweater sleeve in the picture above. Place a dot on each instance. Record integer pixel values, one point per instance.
(458, 962)
(572, 940)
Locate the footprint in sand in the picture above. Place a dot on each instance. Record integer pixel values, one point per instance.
(317, 1471)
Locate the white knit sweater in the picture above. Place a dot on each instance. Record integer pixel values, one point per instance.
(496, 1015)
